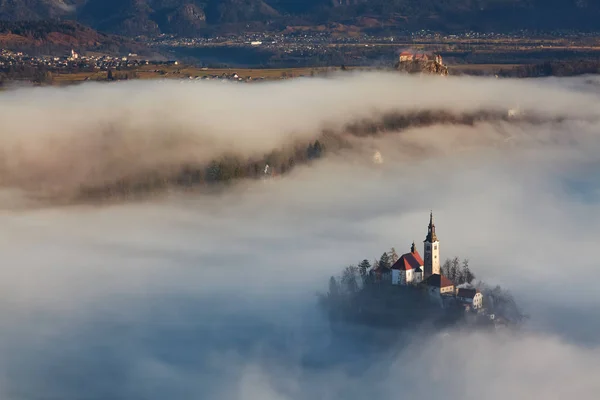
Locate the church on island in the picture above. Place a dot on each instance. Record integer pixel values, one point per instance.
(412, 269)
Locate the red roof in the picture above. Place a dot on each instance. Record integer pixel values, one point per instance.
(439, 281)
(406, 53)
(408, 261)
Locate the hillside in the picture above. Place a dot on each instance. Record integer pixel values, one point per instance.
(51, 36)
(189, 17)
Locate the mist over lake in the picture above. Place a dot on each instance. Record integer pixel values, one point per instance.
(213, 295)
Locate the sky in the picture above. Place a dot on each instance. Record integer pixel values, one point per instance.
(213, 295)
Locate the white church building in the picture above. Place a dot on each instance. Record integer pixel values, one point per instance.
(411, 268)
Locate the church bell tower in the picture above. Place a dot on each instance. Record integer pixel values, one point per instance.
(431, 250)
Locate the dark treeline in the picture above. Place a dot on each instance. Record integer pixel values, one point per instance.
(38, 29)
(228, 168)
(224, 170)
(553, 68)
(35, 74)
(44, 75)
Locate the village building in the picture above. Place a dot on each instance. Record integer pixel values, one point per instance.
(470, 297)
(406, 56)
(439, 285)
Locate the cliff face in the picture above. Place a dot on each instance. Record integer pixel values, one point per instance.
(428, 67)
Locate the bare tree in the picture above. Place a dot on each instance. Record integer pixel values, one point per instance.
(349, 280)
(466, 275)
(393, 256)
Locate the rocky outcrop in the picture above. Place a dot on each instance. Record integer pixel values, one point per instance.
(185, 20)
(417, 66)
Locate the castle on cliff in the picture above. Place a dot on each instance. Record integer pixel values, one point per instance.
(421, 63)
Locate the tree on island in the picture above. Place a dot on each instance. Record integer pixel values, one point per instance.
(458, 274)
(384, 261)
(349, 281)
(363, 267)
(377, 302)
(466, 275)
(393, 256)
(334, 289)
(314, 150)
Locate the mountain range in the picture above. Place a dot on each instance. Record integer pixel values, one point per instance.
(192, 17)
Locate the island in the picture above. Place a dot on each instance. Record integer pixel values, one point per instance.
(410, 291)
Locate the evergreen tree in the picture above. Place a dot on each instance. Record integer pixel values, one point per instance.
(213, 172)
(318, 149)
(363, 267)
(384, 261)
(310, 152)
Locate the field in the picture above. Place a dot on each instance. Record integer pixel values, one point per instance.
(188, 72)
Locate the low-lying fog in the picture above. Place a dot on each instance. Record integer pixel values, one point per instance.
(212, 296)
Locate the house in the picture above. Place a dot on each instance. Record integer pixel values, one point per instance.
(408, 269)
(472, 297)
(406, 56)
(438, 285)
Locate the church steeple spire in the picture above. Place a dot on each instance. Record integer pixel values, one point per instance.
(432, 250)
(431, 236)
(413, 248)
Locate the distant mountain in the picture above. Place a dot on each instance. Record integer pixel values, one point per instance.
(51, 36)
(19, 10)
(189, 17)
(148, 17)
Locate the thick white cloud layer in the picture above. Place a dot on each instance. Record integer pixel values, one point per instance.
(213, 296)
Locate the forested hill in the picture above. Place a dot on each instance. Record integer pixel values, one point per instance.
(150, 17)
(52, 35)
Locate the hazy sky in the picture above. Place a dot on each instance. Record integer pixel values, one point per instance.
(213, 296)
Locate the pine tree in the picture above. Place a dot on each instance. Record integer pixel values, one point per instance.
(318, 149)
(363, 267)
(384, 261)
(310, 152)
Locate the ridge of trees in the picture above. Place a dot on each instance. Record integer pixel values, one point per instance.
(553, 68)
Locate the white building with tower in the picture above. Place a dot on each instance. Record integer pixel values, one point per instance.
(411, 269)
(431, 250)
